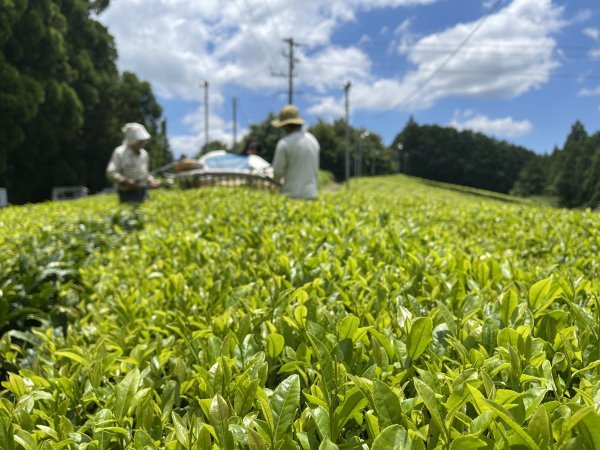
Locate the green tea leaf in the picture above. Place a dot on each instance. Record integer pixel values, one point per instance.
(542, 294)
(432, 404)
(348, 327)
(387, 404)
(353, 401)
(255, 441)
(328, 445)
(539, 426)
(143, 440)
(181, 431)
(323, 422)
(467, 442)
(26, 439)
(420, 337)
(326, 368)
(125, 392)
(72, 356)
(393, 437)
(284, 403)
(169, 397)
(275, 344)
(508, 306)
(219, 414)
(590, 429)
(575, 419)
(506, 417)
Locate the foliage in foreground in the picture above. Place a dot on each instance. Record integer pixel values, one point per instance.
(395, 316)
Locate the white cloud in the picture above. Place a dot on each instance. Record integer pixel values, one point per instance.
(328, 108)
(594, 33)
(493, 63)
(220, 129)
(371, 95)
(589, 92)
(326, 68)
(185, 145)
(175, 44)
(505, 127)
(583, 16)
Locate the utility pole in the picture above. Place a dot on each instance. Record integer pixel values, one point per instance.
(204, 84)
(234, 122)
(291, 62)
(346, 88)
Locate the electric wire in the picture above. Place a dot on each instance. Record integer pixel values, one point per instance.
(447, 60)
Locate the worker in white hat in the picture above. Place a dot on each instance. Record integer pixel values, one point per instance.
(296, 159)
(128, 166)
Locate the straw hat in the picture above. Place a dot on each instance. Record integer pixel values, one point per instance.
(288, 115)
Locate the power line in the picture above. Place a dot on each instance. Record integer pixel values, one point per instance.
(449, 58)
(444, 47)
(396, 67)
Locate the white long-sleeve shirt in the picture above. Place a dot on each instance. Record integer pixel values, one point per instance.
(296, 161)
(125, 164)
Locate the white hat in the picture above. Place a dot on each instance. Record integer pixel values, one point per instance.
(134, 132)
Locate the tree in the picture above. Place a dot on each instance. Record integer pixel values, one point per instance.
(592, 177)
(45, 108)
(532, 178)
(460, 157)
(267, 135)
(332, 139)
(573, 160)
(63, 101)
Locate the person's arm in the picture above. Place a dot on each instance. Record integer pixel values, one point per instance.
(112, 170)
(279, 161)
(153, 182)
(150, 180)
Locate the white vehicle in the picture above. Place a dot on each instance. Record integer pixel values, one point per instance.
(220, 168)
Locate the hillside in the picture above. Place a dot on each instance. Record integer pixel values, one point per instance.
(398, 313)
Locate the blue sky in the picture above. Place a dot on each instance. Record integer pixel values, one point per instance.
(518, 70)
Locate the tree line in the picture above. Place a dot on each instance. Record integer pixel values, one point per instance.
(570, 173)
(63, 100)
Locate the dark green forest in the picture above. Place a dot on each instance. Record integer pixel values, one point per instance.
(570, 173)
(63, 100)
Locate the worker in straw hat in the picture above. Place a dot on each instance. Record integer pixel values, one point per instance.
(296, 160)
(128, 166)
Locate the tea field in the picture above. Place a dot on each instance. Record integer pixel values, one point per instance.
(398, 315)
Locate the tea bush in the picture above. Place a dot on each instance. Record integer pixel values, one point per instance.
(396, 315)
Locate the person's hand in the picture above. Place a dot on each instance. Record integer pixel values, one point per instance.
(152, 182)
(130, 182)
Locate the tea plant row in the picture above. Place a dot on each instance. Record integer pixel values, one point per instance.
(397, 315)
